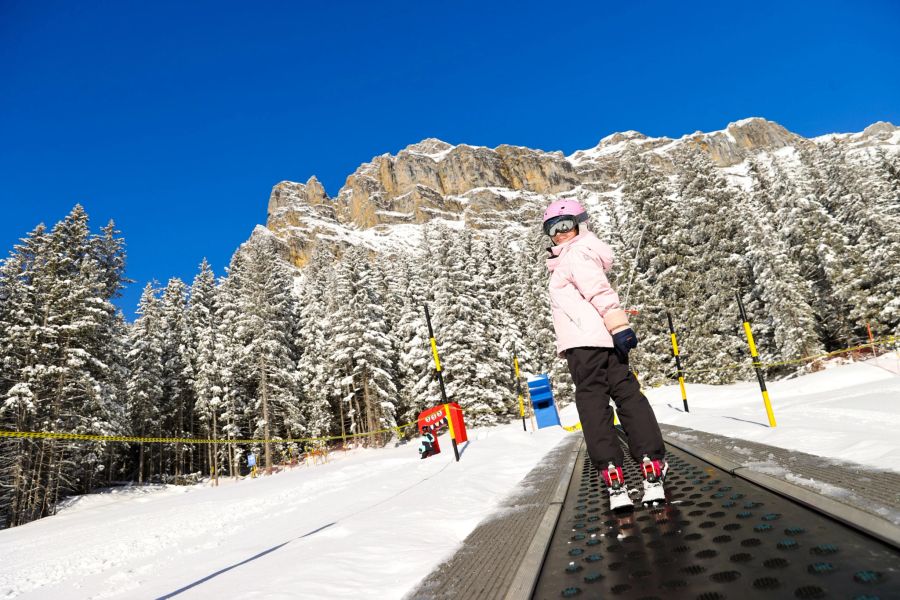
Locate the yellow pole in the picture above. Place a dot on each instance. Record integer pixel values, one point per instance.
(756, 363)
(678, 362)
(519, 391)
(440, 376)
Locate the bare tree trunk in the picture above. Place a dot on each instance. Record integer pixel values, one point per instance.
(192, 447)
(362, 424)
(367, 402)
(179, 448)
(215, 449)
(22, 446)
(229, 450)
(18, 481)
(53, 482)
(264, 395)
(209, 458)
(109, 467)
(162, 465)
(141, 460)
(51, 508)
(33, 493)
(231, 468)
(49, 488)
(343, 429)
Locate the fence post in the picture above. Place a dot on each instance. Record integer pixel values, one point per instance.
(871, 340)
(678, 362)
(756, 363)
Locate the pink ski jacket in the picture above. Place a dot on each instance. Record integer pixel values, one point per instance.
(585, 308)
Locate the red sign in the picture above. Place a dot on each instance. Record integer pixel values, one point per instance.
(437, 414)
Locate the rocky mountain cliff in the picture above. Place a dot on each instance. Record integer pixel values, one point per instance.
(484, 187)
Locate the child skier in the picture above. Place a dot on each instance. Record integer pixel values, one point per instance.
(594, 336)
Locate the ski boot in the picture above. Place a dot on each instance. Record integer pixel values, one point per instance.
(618, 493)
(654, 472)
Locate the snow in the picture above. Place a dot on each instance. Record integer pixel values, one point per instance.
(367, 524)
(371, 523)
(739, 176)
(747, 121)
(849, 413)
(436, 156)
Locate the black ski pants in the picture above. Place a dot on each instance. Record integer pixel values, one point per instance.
(599, 374)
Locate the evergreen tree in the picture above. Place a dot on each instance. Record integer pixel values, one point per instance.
(373, 353)
(645, 220)
(20, 319)
(707, 269)
(145, 381)
(236, 394)
(178, 398)
(66, 382)
(264, 329)
(414, 368)
(206, 362)
(313, 346)
(786, 326)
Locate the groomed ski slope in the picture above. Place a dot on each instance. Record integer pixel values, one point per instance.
(372, 523)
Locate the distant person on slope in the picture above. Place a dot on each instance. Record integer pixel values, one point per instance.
(594, 336)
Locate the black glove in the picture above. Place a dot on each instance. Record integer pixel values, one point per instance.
(624, 341)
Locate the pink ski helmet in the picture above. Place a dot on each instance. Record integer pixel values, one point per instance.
(564, 208)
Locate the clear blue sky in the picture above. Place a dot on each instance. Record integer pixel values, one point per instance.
(177, 118)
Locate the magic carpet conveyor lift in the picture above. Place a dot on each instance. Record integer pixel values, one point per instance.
(719, 536)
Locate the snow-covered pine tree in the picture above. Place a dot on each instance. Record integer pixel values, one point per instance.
(505, 255)
(206, 366)
(176, 409)
(873, 256)
(339, 330)
(786, 327)
(707, 270)
(108, 250)
(432, 268)
(372, 350)
(463, 333)
(884, 297)
(819, 245)
(265, 330)
(145, 378)
(494, 366)
(67, 382)
(414, 368)
(236, 393)
(312, 344)
(20, 319)
(645, 220)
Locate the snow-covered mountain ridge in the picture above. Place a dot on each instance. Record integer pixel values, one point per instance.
(481, 187)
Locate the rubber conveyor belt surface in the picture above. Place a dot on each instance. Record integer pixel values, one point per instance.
(718, 537)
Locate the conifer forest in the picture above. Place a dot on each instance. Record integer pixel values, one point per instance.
(340, 346)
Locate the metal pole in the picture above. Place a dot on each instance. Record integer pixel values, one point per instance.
(677, 362)
(437, 368)
(756, 363)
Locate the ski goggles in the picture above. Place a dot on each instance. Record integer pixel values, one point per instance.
(560, 224)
